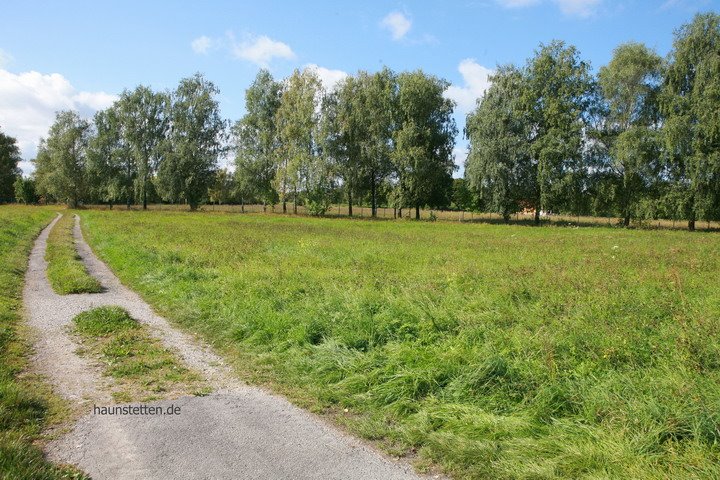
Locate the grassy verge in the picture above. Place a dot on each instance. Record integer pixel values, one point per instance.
(142, 368)
(494, 351)
(25, 403)
(66, 272)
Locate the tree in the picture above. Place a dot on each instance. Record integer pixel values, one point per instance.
(374, 108)
(300, 167)
(691, 105)
(630, 84)
(111, 168)
(559, 88)
(462, 198)
(256, 140)
(25, 190)
(424, 139)
(9, 171)
(221, 190)
(195, 142)
(499, 166)
(340, 132)
(144, 122)
(61, 160)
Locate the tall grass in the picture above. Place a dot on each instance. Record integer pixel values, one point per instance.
(66, 272)
(24, 402)
(494, 351)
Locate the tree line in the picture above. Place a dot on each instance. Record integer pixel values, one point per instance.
(640, 139)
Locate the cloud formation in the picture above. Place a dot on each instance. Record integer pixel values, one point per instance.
(28, 102)
(201, 44)
(476, 81)
(572, 8)
(328, 77)
(397, 23)
(261, 50)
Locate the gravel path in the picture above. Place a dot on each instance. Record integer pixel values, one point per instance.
(239, 431)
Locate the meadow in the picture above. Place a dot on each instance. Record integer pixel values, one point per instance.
(493, 351)
(26, 404)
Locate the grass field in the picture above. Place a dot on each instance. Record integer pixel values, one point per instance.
(25, 403)
(143, 370)
(494, 351)
(66, 271)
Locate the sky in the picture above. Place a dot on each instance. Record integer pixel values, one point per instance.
(80, 55)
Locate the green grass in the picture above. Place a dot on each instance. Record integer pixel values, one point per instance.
(494, 351)
(66, 272)
(141, 367)
(25, 404)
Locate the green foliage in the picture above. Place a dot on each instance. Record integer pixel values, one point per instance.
(195, 142)
(60, 166)
(141, 366)
(630, 85)
(145, 119)
(66, 272)
(256, 140)
(462, 198)
(25, 190)
(556, 97)
(222, 189)
(499, 167)
(498, 351)
(301, 169)
(424, 141)
(9, 171)
(111, 168)
(23, 403)
(691, 104)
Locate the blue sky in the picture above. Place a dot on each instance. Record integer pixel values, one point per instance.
(80, 54)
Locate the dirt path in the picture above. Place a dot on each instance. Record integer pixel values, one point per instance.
(238, 431)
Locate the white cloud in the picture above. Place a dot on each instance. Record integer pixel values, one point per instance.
(28, 102)
(201, 44)
(328, 77)
(475, 78)
(397, 23)
(261, 50)
(578, 8)
(572, 8)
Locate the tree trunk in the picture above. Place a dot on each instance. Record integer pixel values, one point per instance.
(373, 189)
(284, 205)
(691, 217)
(242, 205)
(417, 212)
(506, 217)
(145, 194)
(295, 201)
(400, 212)
(537, 216)
(626, 219)
(350, 214)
